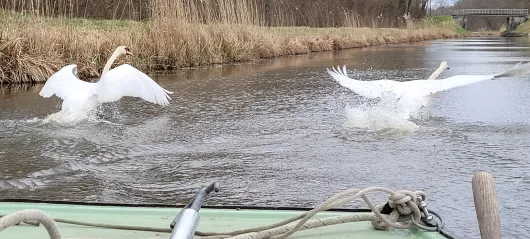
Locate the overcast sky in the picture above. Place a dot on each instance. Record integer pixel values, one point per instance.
(444, 2)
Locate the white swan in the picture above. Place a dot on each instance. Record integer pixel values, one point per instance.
(439, 71)
(374, 89)
(428, 100)
(80, 96)
(412, 95)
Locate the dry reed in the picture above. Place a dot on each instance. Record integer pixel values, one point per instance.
(179, 34)
(310, 13)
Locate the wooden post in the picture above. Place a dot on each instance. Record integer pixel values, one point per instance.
(486, 205)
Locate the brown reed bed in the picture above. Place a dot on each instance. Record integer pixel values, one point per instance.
(32, 48)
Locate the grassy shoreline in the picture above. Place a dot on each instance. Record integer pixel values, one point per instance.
(32, 48)
(523, 29)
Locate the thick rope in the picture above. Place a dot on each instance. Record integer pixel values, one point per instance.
(30, 215)
(101, 225)
(121, 227)
(283, 231)
(403, 202)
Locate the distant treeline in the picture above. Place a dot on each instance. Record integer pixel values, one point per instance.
(311, 13)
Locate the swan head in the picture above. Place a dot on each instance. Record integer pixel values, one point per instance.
(444, 65)
(125, 50)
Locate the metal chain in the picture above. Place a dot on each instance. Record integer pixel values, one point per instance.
(427, 217)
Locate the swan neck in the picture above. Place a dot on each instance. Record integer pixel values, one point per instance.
(110, 61)
(436, 73)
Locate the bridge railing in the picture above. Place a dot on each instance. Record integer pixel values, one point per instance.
(507, 12)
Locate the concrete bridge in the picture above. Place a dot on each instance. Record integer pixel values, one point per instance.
(514, 17)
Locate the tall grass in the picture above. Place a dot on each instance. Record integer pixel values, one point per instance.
(310, 13)
(206, 11)
(179, 33)
(101, 9)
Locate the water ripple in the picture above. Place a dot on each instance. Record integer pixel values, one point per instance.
(276, 133)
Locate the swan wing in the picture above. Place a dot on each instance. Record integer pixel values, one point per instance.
(65, 83)
(341, 76)
(368, 89)
(434, 86)
(518, 70)
(125, 80)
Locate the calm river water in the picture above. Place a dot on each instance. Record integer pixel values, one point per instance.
(280, 133)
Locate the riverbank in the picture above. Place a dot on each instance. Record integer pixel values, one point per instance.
(32, 48)
(523, 30)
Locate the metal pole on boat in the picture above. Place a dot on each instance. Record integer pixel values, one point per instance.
(185, 223)
(486, 205)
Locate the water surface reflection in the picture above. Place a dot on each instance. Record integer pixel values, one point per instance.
(275, 133)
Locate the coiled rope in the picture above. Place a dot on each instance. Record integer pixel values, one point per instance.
(404, 204)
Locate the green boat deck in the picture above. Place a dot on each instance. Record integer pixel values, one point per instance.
(211, 220)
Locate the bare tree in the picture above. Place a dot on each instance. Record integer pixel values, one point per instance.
(311, 13)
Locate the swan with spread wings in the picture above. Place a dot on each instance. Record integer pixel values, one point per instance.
(375, 89)
(125, 80)
(415, 94)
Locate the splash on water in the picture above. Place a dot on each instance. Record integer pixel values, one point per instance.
(107, 113)
(389, 113)
(66, 118)
(377, 118)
